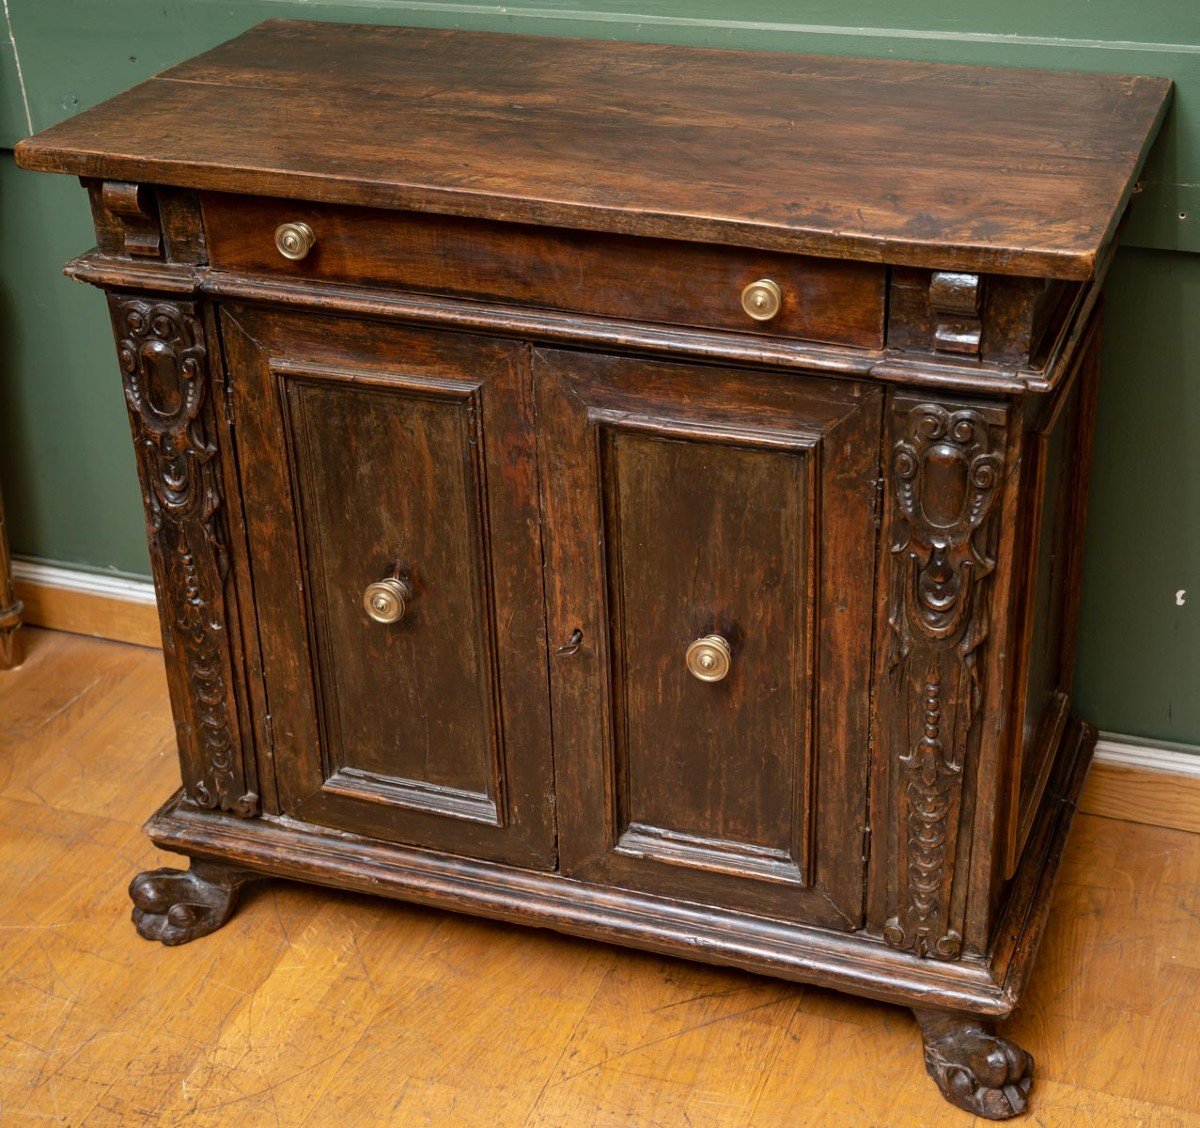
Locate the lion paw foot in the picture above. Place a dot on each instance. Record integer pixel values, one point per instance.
(174, 906)
(976, 1069)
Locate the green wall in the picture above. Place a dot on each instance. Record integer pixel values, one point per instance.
(65, 458)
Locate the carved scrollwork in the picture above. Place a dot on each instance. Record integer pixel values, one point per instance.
(946, 471)
(160, 346)
(946, 476)
(931, 777)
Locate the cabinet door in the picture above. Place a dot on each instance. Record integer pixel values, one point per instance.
(681, 502)
(370, 452)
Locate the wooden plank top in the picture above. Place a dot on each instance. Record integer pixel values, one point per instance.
(954, 167)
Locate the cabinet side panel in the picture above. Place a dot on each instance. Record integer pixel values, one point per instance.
(1058, 452)
(172, 396)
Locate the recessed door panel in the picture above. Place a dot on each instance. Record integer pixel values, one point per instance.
(696, 756)
(388, 480)
(391, 506)
(709, 538)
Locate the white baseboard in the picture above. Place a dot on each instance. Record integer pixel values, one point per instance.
(1144, 782)
(88, 603)
(1160, 756)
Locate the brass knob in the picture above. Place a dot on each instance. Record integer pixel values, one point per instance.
(762, 299)
(709, 658)
(387, 600)
(294, 240)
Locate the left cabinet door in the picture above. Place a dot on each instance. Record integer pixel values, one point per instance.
(372, 453)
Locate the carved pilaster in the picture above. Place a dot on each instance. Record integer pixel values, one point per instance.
(946, 470)
(170, 395)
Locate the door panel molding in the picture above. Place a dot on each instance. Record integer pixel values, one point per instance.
(320, 531)
(391, 385)
(786, 440)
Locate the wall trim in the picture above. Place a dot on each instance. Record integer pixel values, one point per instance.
(1151, 782)
(1157, 756)
(1139, 781)
(90, 603)
(76, 579)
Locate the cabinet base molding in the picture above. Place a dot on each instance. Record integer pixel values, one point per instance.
(88, 603)
(860, 964)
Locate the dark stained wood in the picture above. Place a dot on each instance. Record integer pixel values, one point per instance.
(175, 397)
(1058, 462)
(733, 508)
(963, 168)
(1013, 323)
(11, 607)
(974, 1067)
(606, 275)
(367, 453)
(176, 907)
(146, 224)
(916, 369)
(944, 471)
(798, 952)
(512, 378)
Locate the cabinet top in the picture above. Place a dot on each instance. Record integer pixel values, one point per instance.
(922, 164)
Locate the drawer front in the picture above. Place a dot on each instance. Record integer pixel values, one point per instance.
(374, 455)
(711, 707)
(637, 279)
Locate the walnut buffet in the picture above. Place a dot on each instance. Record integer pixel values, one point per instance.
(624, 489)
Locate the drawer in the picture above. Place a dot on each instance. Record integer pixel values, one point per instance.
(627, 277)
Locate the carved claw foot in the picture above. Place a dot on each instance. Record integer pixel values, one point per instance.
(174, 906)
(975, 1068)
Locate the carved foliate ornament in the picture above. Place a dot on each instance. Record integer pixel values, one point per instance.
(946, 469)
(164, 370)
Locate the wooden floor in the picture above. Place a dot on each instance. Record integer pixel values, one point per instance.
(319, 1008)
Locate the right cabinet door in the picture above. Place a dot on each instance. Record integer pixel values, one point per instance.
(710, 539)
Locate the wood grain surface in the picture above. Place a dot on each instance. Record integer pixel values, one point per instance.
(607, 275)
(319, 1008)
(1021, 172)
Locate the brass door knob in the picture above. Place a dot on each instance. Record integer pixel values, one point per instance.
(709, 658)
(387, 600)
(294, 240)
(762, 299)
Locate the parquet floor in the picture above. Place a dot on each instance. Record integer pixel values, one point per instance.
(319, 1008)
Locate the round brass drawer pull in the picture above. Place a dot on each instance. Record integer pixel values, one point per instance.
(762, 299)
(709, 658)
(387, 600)
(294, 240)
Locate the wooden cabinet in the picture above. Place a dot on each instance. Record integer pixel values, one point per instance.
(579, 495)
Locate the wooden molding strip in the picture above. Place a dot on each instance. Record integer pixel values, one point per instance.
(89, 603)
(1139, 782)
